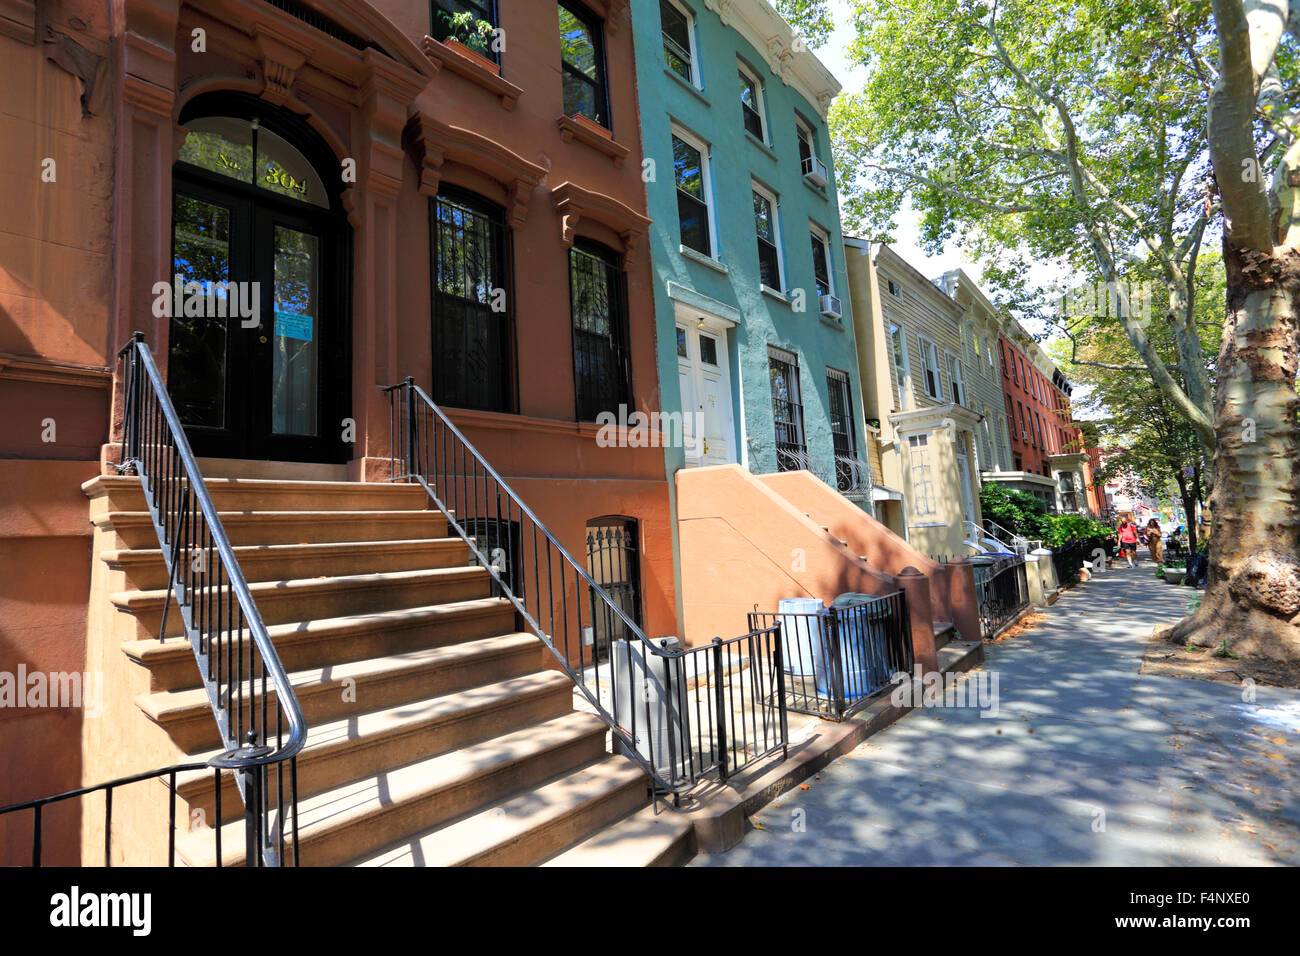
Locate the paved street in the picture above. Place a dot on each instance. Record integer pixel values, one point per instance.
(1086, 762)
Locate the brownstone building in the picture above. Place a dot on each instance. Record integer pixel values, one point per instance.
(366, 199)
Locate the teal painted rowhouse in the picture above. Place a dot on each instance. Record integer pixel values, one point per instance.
(751, 297)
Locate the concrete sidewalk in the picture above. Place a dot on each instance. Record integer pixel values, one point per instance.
(1085, 763)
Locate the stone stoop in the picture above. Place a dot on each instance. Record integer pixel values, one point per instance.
(439, 734)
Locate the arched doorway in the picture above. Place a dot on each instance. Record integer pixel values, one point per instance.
(258, 353)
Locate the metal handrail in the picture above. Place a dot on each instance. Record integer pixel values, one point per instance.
(156, 448)
(416, 436)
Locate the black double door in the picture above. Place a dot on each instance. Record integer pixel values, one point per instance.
(258, 352)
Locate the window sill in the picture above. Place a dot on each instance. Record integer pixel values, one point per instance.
(755, 141)
(777, 294)
(836, 324)
(688, 86)
(707, 261)
(817, 190)
(602, 142)
(445, 55)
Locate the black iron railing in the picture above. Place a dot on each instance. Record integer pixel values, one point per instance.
(1002, 590)
(258, 716)
(38, 807)
(653, 695)
(837, 659)
(1068, 558)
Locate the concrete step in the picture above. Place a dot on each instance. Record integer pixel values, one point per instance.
(338, 640)
(355, 819)
(305, 599)
(145, 567)
(126, 493)
(531, 826)
(944, 631)
(134, 529)
(341, 751)
(653, 836)
(341, 690)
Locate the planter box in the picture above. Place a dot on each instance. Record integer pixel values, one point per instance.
(1175, 575)
(591, 125)
(477, 58)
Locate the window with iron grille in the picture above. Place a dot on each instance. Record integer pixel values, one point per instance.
(440, 12)
(601, 373)
(787, 411)
(500, 542)
(769, 259)
(614, 562)
(582, 63)
(473, 354)
(690, 173)
(843, 434)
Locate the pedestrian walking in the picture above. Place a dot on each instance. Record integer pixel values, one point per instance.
(1128, 540)
(1154, 539)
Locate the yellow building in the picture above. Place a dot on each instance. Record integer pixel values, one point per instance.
(920, 395)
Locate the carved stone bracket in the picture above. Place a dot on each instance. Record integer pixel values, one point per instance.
(433, 143)
(280, 65)
(573, 203)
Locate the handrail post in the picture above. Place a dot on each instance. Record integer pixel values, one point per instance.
(720, 697)
(411, 432)
(778, 653)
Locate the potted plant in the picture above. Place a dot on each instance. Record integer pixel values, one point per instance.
(1174, 575)
(472, 36)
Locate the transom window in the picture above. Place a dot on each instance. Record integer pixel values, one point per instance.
(751, 104)
(690, 171)
(582, 58)
(601, 368)
(765, 226)
(243, 151)
(679, 40)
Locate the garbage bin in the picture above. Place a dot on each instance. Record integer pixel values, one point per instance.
(800, 634)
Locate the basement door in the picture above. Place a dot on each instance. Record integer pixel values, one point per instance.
(703, 373)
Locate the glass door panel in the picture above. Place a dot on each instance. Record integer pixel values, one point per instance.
(295, 356)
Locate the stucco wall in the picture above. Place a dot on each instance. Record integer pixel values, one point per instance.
(713, 114)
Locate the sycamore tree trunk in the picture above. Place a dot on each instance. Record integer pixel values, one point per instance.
(1252, 598)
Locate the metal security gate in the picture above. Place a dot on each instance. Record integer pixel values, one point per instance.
(614, 562)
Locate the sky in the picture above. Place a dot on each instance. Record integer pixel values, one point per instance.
(834, 56)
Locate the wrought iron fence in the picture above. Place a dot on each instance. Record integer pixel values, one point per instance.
(653, 695)
(1002, 589)
(1068, 559)
(38, 807)
(839, 658)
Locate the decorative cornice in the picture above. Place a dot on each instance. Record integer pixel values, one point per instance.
(787, 56)
(432, 143)
(18, 20)
(30, 369)
(575, 203)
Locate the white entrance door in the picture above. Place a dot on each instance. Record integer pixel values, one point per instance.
(702, 371)
(963, 478)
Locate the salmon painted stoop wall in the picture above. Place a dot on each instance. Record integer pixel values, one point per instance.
(751, 540)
